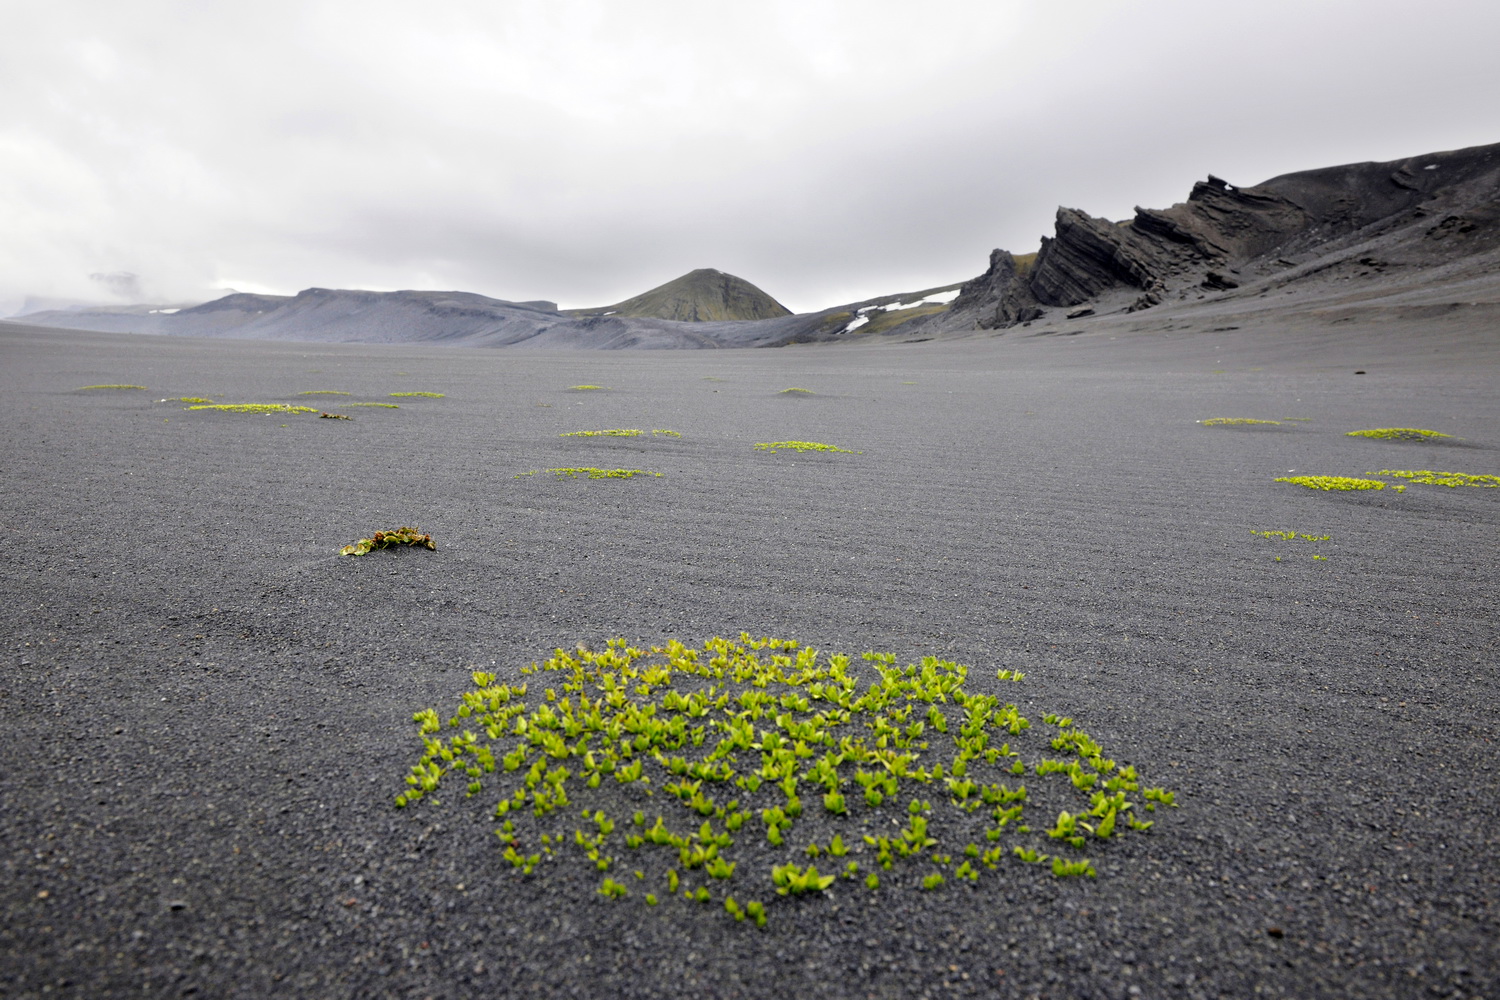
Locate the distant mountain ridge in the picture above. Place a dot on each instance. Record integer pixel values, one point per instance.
(1415, 233)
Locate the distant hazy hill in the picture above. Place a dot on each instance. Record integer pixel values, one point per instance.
(699, 296)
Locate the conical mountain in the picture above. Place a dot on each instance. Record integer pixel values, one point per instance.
(700, 296)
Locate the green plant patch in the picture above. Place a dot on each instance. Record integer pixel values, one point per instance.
(388, 406)
(389, 539)
(735, 764)
(1335, 483)
(775, 446)
(254, 408)
(592, 473)
(794, 391)
(1237, 422)
(81, 388)
(619, 432)
(1291, 536)
(584, 388)
(323, 392)
(191, 399)
(428, 395)
(1399, 434)
(1450, 479)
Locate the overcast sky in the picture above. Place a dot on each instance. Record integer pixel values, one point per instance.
(586, 150)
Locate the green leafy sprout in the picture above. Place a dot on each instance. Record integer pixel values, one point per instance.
(1399, 434)
(775, 446)
(389, 539)
(701, 764)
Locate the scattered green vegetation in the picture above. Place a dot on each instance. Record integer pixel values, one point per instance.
(255, 408)
(619, 432)
(388, 406)
(81, 388)
(192, 399)
(698, 761)
(428, 395)
(775, 446)
(388, 539)
(1291, 536)
(1235, 422)
(1334, 483)
(1399, 434)
(333, 416)
(794, 390)
(584, 388)
(323, 392)
(1450, 479)
(593, 473)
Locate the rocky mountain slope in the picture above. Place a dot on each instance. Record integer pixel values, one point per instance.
(1411, 225)
(1419, 233)
(698, 296)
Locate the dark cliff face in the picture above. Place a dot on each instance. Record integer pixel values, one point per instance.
(1222, 228)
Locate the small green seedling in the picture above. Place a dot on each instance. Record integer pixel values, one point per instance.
(387, 539)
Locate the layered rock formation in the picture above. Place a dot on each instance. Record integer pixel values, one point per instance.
(1224, 235)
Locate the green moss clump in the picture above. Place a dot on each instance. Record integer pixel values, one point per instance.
(1236, 422)
(1291, 536)
(1399, 434)
(694, 767)
(620, 432)
(584, 388)
(1334, 483)
(1450, 479)
(775, 446)
(255, 408)
(193, 399)
(323, 392)
(666, 433)
(387, 539)
(81, 388)
(388, 406)
(794, 390)
(593, 473)
(428, 395)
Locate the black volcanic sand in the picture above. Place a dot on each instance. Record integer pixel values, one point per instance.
(208, 711)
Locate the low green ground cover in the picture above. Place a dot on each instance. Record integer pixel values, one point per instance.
(744, 765)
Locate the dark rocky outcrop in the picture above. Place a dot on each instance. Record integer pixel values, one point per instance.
(1204, 243)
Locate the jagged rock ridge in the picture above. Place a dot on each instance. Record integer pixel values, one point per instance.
(1223, 236)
